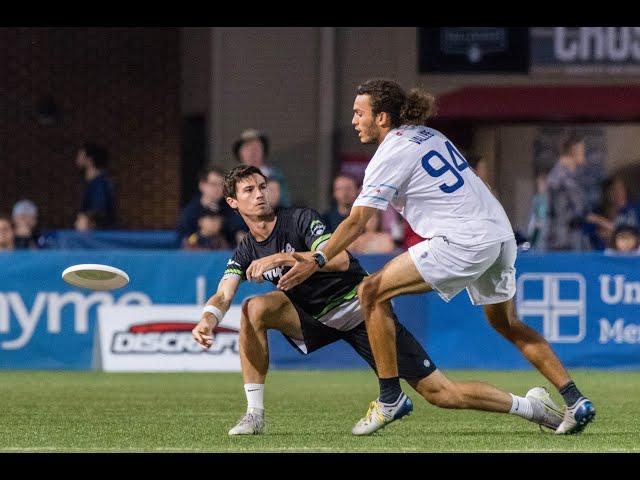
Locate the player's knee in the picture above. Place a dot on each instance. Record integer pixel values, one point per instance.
(255, 310)
(367, 291)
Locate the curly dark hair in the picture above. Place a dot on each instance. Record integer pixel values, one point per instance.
(387, 96)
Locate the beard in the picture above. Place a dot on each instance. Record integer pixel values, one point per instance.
(371, 136)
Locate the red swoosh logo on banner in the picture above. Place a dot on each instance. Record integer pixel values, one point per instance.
(173, 327)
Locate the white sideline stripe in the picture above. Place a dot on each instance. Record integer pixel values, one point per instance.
(297, 449)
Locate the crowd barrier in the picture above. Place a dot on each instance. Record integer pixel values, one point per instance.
(586, 305)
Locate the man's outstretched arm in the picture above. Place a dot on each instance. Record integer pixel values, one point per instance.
(350, 229)
(220, 301)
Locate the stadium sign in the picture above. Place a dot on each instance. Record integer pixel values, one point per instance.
(585, 50)
(473, 49)
(561, 302)
(158, 338)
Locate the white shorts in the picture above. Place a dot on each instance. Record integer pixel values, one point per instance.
(488, 272)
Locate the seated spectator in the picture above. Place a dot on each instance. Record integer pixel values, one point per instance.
(373, 240)
(252, 148)
(6, 234)
(615, 210)
(25, 223)
(209, 235)
(345, 192)
(624, 211)
(98, 196)
(625, 239)
(210, 200)
(274, 192)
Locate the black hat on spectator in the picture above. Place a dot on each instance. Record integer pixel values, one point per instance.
(247, 136)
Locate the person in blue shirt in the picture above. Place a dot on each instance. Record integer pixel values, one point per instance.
(99, 194)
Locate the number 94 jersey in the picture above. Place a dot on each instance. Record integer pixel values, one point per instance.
(428, 181)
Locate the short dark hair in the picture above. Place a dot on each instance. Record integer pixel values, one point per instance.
(98, 154)
(203, 174)
(387, 96)
(7, 218)
(573, 139)
(236, 174)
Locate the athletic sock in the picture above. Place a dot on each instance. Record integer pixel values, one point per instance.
(389, 389)
(255, 396)
(570, 393)
(521, 406)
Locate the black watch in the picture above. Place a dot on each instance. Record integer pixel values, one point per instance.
(320, 259)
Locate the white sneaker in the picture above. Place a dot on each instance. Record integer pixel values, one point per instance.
(251, 423)
(545, 412)
(381, 414)
(577, 417)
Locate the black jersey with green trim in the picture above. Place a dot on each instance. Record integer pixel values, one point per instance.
(300, 230)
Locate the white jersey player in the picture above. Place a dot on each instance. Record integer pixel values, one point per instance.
(469, 242)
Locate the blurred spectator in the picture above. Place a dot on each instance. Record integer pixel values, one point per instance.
(210, 200)
(480, 165)
(615, 210)
(274, 194)
(393, 223)
(98, 196)
(625, 239)
(616, 206)
(345, 192)
(209, 235)
(252, 148)
(88, 221)
(567, 210)
(538, 224)
(6, 234)
(25, 223)
(373, 240)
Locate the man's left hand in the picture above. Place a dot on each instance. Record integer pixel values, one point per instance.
(304, 267)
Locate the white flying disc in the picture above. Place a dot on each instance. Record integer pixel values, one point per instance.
(95, 277)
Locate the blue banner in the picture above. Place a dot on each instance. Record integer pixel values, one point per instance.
(111, 239)
(586, 305)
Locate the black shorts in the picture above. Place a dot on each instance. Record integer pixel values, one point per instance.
(413, 360)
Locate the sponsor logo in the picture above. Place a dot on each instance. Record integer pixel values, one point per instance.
(172, 337)
(618, 332)
(49, 307)
(560, 299)
(616, 290)
(317, 228)
(596, 44)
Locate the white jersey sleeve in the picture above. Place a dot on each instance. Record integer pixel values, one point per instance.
(382, 183)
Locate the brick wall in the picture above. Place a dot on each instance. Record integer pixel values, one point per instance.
(115, 86)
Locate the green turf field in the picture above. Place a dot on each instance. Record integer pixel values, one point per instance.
(307, 411)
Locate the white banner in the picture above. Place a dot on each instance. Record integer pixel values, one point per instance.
(157, 338)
